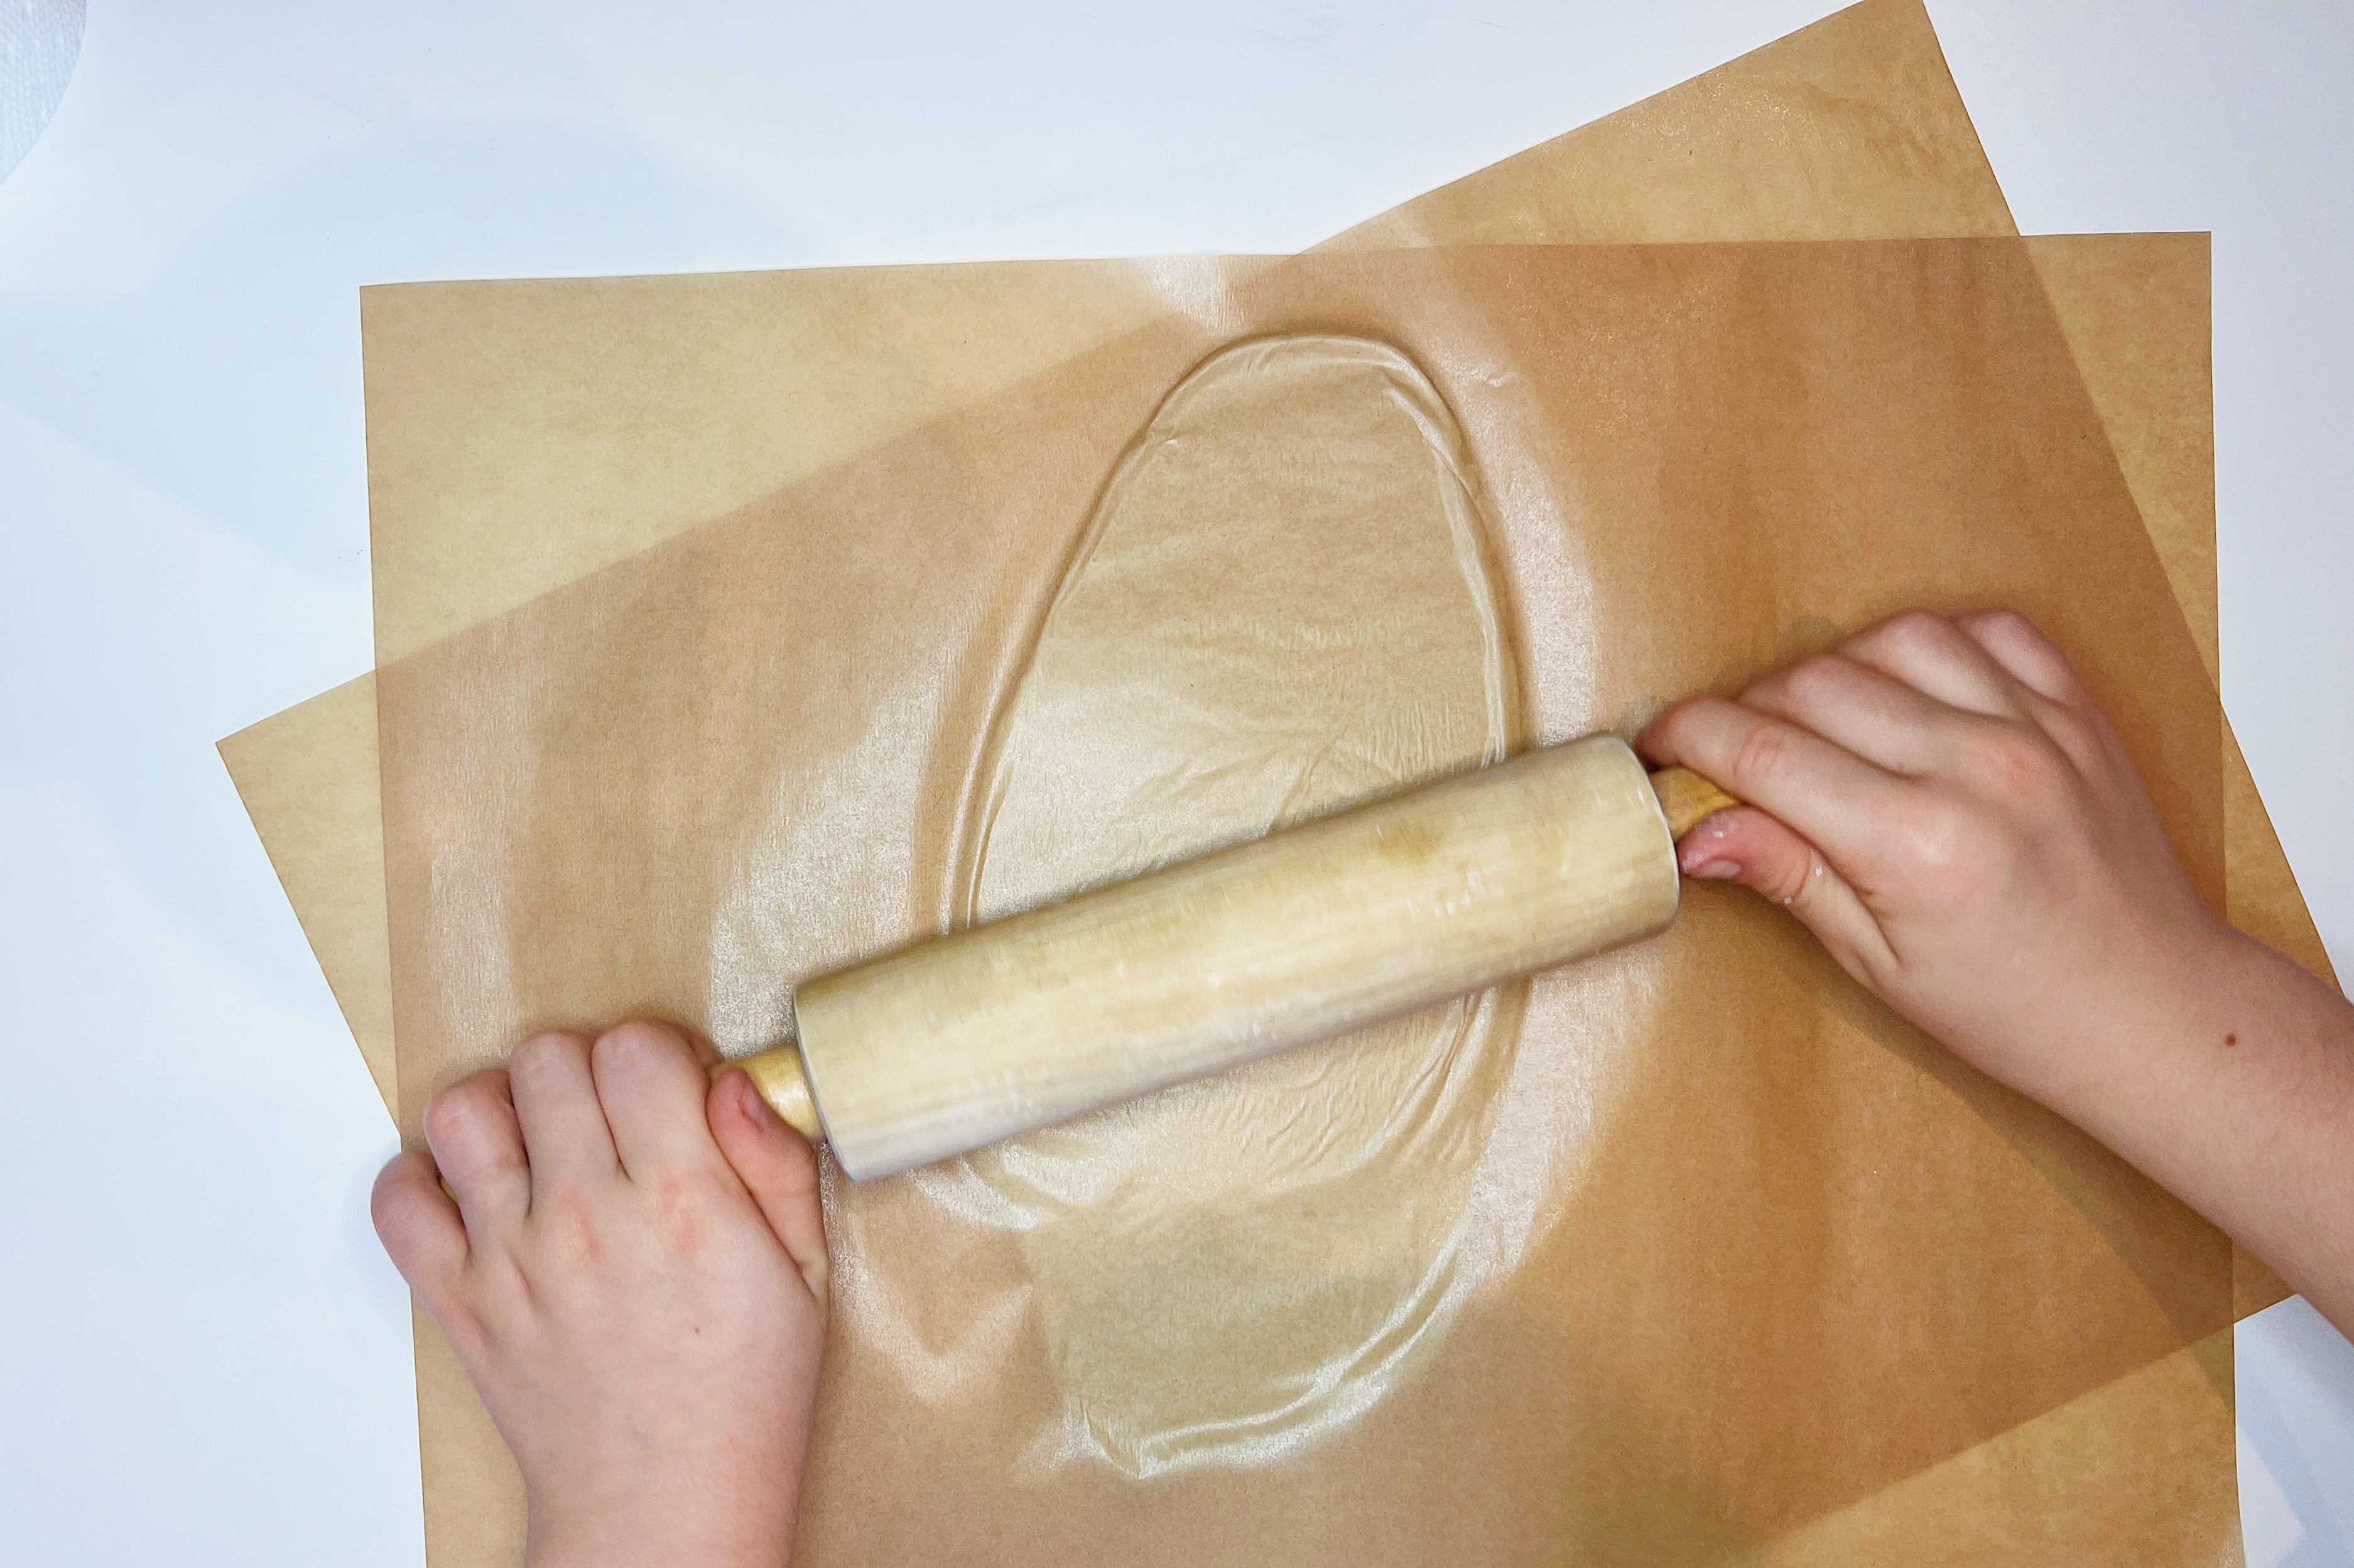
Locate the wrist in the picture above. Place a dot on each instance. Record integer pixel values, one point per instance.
(715, 1527)
(649, 1548)
(2168, 1012)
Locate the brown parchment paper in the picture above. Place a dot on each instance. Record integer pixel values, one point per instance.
(308, 779)
(1849, 1261)
(1853, 93)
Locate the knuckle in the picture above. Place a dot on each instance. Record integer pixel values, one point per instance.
(1915, 628)
(570, 1229)
(1789, 878)
(2006, 623)
(2016, 765)
(453, 1110)
(1673, 729)
(636, 1042)
(1942, 839)
(1908, 637)
(684, 1214)
(541, 1051)
(474, 1113)
(1761, 752)
(1957, 851)
(1817, 680)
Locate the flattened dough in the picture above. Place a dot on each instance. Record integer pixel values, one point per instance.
(1283, 603)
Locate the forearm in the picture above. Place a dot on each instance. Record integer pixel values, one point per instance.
(2236, 1092)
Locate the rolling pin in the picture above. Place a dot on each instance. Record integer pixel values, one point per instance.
(1430, 893)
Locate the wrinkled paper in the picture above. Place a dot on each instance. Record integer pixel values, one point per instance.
(1803, 1253)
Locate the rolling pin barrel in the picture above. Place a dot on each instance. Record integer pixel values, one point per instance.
(1395, 904)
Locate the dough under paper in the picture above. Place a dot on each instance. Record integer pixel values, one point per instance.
(1283, 603)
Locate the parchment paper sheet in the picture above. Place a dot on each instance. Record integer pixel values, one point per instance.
(1779, 1248)
(1869, 138)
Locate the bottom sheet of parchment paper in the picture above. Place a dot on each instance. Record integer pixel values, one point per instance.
(1732, 1248)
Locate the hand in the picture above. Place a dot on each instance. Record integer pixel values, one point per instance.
(1941, 803)
(633, 1273)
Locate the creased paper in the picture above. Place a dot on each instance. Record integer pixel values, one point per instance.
(1852, 1260)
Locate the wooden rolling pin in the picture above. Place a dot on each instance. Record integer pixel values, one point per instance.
(1430, 893)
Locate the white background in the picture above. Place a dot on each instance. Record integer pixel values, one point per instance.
(203, 1357)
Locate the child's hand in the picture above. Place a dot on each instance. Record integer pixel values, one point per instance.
(637, 1286)
(1943, 806)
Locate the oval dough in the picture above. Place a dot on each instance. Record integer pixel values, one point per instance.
(1282, 604)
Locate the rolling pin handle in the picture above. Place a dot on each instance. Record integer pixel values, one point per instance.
(783, 1082)
(1687, 799)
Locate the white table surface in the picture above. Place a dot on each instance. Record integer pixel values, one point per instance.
(205, 1357)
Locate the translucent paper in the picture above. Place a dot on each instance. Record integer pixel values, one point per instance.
(1763, 1250)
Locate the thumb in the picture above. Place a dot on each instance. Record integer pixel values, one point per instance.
(1749, 846)
(778, 1167)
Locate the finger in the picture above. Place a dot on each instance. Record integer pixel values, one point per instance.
(2012, 641)
(2052, 696)
(565, 1138)
(653, 1088)
(1748, 846)
(1825, 791)
(1930, 655)
(476, 1141)
(422, 1232)
(778, 1167)
(1869, 712)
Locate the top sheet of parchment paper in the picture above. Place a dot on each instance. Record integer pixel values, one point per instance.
(1773, 1249)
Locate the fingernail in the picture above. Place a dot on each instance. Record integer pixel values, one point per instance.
(1700, 847)
(1715, 870)
(756, 1107)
